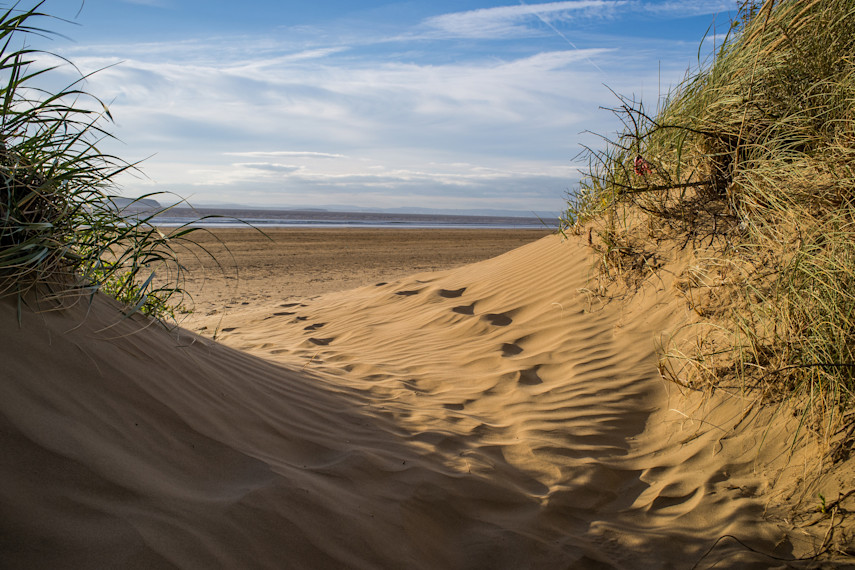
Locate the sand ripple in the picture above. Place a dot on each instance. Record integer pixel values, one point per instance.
(483, 417)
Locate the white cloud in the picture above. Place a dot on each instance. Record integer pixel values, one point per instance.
(286, 153)
(268, 167)
(349, 104)
(504, 21)
(374, 128)
(234, 116)
(259, 64)
(381, 181)
(687, 8)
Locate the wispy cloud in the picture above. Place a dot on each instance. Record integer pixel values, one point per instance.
(268, 167)
(686, 8)
(375, 121)
(369, 125)
(460, 185)
(507, 21)
(286, 154)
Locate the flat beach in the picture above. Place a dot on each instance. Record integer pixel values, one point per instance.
(384, 399)
(244, 267)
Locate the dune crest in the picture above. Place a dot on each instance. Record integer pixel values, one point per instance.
(490, 416)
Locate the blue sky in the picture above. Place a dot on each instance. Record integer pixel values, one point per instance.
(467, 104)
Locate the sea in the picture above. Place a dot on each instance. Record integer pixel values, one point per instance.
(231, 217)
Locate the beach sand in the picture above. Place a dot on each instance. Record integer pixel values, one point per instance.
(240, 267)
(492, 415)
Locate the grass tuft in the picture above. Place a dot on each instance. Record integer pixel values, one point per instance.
(61, 230)
(751, 160)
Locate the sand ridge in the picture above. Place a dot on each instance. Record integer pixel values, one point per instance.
(488, 416)
(507, 369)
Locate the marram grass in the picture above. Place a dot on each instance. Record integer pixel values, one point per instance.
(60, 229)
(751, 160)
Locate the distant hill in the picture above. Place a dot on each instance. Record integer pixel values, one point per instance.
(141, 204)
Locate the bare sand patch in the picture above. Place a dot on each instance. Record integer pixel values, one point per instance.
(247, 267)
(486, 416)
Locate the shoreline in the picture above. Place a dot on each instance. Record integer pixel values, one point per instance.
(319, 218)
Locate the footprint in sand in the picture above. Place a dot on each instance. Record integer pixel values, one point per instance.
(284, 313)
(530, 377)
(321, 341)
(511, 349)
(498, 319)
(314, 327)
(407, 293)
(229, 329)
(464, 309)
(451, 293)
(286, 305)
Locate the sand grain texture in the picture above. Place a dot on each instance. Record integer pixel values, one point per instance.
(489, 416)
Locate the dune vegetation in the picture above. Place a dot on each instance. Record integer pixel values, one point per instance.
(491, 415)
(750, 164)
(62, 229)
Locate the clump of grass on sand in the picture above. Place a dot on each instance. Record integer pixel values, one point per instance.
(61, 229)
(751, 161)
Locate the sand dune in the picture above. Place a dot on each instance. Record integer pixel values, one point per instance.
(489, 416)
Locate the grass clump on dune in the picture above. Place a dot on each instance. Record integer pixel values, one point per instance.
(61, 228)
(752, 161)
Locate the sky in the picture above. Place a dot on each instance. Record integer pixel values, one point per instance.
(468, 104)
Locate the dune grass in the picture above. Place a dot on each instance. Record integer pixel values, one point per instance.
(60, 229)
(751, 160)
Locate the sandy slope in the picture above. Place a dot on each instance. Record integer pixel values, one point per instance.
(490, 416)
(236, 267)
